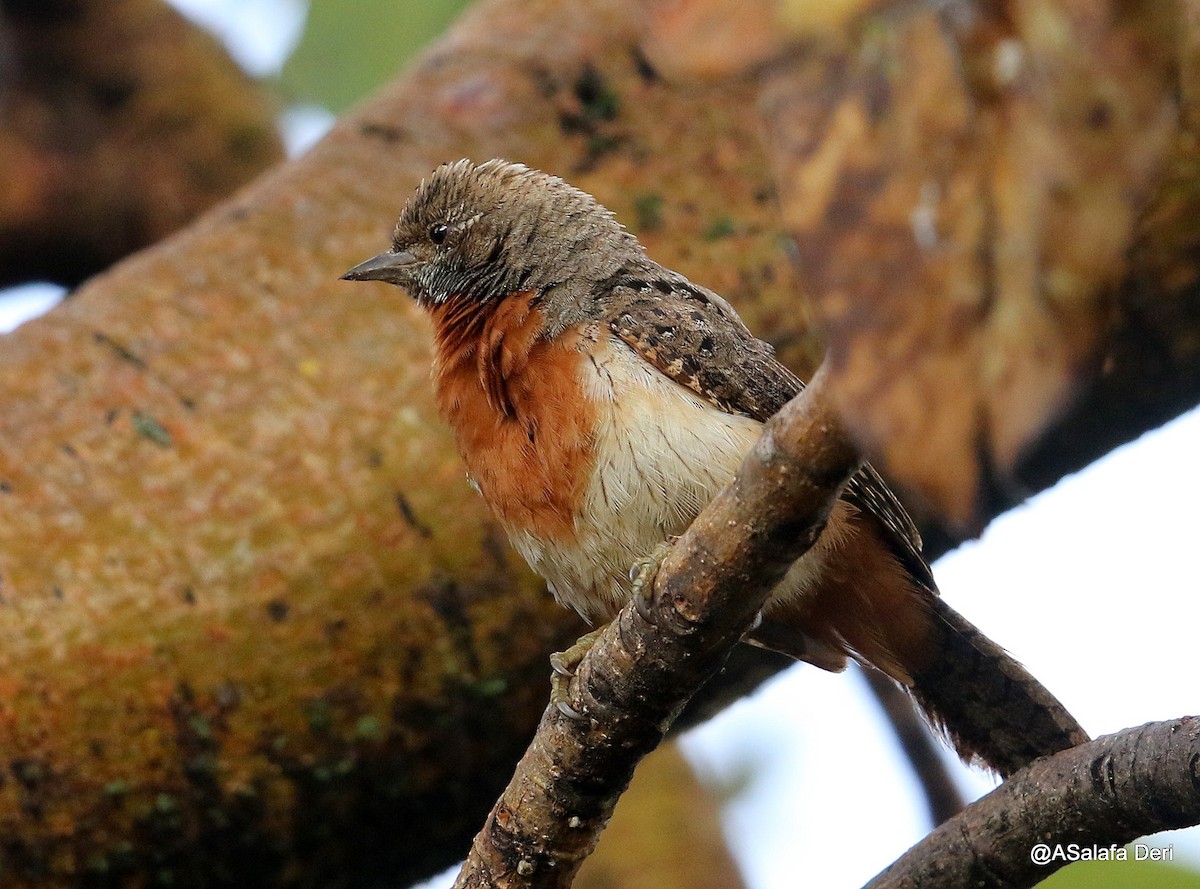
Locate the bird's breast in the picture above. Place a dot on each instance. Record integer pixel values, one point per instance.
(586, 453)
(658, 454)
(522, 425)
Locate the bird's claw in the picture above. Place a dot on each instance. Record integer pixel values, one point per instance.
(564, 664)
(570, 712)
(643, 573)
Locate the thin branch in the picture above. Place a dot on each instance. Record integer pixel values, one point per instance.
(942, 795)
(640, 673)
(1109, 791)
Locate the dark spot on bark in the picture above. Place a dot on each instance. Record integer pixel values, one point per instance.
(334, 629)
(28, 772)
(764, 194)
(644, 67)
(410, 517)
(111, 95)
(375, 458)
(1103, 775)
(110, 415)
(5, 487)
(573, 124)
(188, 595)
(1099, 115)
(383, 132)
(278, 610)
(122, 352)
(597, 99)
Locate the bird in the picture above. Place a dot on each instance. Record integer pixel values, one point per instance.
(599, 400)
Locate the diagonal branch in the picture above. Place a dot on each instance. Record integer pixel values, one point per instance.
(640, 673)
(1109, 791)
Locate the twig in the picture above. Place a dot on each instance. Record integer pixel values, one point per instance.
(639, 674)
(1109, 791)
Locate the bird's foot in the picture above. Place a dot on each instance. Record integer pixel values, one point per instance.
(643, 573)
(564, 665)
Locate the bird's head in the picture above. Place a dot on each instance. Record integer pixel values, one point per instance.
(483, 231)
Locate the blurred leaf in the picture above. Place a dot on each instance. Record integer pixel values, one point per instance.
(351, 47)
(1128, 874)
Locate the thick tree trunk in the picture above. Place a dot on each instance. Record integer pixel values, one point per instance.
(255, 627)
(664, 835)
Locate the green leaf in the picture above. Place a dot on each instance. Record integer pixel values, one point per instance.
(351, 47)
(1128, 874)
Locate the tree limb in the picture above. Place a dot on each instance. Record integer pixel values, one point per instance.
(640, 672)
(1109, 791)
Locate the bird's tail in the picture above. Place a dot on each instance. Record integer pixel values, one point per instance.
(990, 707)
(869, 607)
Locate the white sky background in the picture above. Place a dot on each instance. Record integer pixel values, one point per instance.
(1091, 584)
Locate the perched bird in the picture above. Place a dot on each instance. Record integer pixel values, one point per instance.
(600, 400)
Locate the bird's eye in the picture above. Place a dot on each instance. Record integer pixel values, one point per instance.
(437, 233)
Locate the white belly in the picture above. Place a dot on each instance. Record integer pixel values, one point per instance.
(659, 459)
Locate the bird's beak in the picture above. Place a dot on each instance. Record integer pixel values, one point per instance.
(392, 266)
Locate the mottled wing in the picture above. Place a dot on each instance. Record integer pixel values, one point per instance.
(870, 493)
(696, 338)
